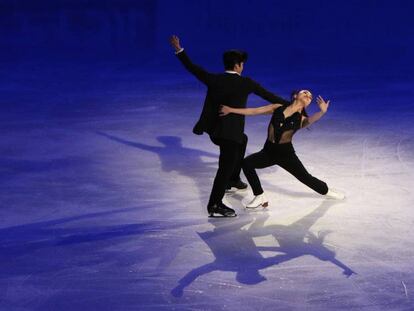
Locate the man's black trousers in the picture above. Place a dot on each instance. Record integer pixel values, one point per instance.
(229, 167)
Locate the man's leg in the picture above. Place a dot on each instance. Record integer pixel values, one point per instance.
(228, 154)
(235, 180)
(235, 176)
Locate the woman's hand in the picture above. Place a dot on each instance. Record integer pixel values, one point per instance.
(224, 110)
(323, 105)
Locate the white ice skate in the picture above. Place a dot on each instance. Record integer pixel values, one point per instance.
(258, 201)
(335, 194)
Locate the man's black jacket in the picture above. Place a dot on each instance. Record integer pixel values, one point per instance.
(225, 89)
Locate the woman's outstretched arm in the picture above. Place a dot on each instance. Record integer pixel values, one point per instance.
(323, 106)
(268, 109)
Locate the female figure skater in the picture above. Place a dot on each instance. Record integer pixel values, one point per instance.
(278, 149)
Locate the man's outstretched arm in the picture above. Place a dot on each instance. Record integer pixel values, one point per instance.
(266, 95)
(197, 71)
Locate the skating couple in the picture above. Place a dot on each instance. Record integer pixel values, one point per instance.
(222, 118)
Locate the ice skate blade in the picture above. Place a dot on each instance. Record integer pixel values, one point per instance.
(234, 190)
(217, 215)
(264, 205)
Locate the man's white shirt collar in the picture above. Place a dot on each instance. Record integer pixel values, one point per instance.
(234, 72)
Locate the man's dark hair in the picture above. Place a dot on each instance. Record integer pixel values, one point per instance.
(233, 57)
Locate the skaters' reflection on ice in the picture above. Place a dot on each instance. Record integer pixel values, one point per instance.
(232, 244)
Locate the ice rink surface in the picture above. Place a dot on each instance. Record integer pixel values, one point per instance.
(104, 190)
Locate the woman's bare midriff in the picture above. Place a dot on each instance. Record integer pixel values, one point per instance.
(285, 138)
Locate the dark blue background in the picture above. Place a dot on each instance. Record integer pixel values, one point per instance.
(62, 55)
(371, 35)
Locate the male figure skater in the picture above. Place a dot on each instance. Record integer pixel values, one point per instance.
(232, 89)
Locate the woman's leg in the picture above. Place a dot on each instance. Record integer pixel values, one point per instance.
(291, 163)
(256, 160)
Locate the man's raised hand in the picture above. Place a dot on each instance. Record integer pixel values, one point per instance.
(175, 42)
